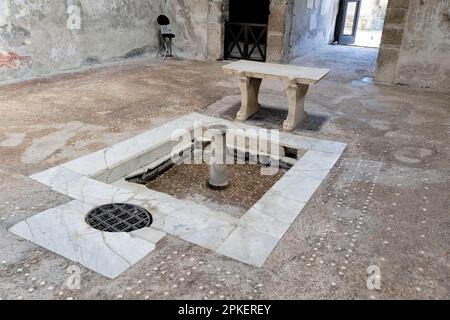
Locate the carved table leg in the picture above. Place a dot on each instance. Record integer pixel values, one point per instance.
(296, 94)
(249, 94)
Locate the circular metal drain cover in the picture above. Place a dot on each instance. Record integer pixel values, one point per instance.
(118, 217)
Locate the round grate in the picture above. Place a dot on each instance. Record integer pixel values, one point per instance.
(118, 217)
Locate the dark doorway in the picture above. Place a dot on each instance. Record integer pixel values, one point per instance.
(347, 22)
(246, 30)
(360, 23)
(249, 11)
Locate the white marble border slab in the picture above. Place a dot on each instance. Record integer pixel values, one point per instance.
(250, 239)
(64, 231)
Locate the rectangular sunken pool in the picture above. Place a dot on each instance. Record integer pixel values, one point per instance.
(246, 225)
(190, 182)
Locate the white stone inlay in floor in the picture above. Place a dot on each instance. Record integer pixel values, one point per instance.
(98, 178)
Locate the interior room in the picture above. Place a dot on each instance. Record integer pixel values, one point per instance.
(224, 150)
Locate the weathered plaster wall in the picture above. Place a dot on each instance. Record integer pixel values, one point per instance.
(424, 59)
(35, 39)
(415, 47)
(313, 25)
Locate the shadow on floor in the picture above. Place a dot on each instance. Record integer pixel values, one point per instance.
(347, 63)
(272, 118)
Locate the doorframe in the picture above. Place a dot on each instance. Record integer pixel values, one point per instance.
(277, 35)
(340, 22)
(245, 32)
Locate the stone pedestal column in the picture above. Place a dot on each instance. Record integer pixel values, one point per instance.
(218, 176)
(296, 94)
(249, 95)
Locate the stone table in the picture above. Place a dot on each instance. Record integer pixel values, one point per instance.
(299, 79)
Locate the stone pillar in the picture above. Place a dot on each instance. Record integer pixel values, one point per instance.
(218, 176)
(277, 46)
(391, 41)
(215, 28)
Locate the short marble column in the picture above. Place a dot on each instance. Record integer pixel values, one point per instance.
(296, 94)
(218, 176)
(249, 95)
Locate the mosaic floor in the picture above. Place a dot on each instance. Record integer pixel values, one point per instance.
(98, 178)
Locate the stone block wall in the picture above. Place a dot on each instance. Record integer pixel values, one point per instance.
(424, 59)
(415, 47)
(391, 40)
(216, 29)
(278, 29)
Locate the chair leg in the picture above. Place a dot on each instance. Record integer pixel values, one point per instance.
(170, 48)
(166, 49)
(160, 47)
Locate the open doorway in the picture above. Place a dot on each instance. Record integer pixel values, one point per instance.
(360, 22)
(359, 56)
(246, 30)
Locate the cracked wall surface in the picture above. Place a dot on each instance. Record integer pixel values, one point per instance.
(425, 55)
(43, 37)
(313, 25)
(415, 47)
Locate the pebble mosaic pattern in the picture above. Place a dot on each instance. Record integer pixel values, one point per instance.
(344, 235)
(182, 272)
(348, 214)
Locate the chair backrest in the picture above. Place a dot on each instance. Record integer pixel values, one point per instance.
(165, 29)
(163, 20)
(164, 26)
